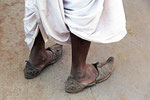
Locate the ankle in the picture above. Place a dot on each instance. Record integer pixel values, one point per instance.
(37, 56)
(78, 70)
(85, 75)
(77, 65)
(83, 70)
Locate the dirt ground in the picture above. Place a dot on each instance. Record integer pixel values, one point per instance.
(130, 80)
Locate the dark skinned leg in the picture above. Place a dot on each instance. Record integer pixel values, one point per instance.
(39, 57)
(83, 73)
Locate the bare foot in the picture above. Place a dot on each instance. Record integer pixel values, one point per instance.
(41, 58)
(86, 75)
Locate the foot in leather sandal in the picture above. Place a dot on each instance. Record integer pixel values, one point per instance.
(31, 71)
(104, 72)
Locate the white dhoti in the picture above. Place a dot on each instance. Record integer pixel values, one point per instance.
(101, 21)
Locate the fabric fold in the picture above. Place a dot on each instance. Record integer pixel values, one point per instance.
(101, 21)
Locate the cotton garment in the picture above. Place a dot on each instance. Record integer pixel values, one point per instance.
(101, 21)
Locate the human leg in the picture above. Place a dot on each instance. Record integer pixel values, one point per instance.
(83, 72)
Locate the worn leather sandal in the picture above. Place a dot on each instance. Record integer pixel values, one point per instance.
(31, 71)
(104, 72)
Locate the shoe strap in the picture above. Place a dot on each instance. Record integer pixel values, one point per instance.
(54, 53)
(96, 67)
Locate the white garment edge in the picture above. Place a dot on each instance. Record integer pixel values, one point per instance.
(39, 25)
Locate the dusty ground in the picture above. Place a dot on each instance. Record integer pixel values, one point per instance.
(130, 80)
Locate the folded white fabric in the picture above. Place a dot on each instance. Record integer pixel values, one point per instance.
(101, 21)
